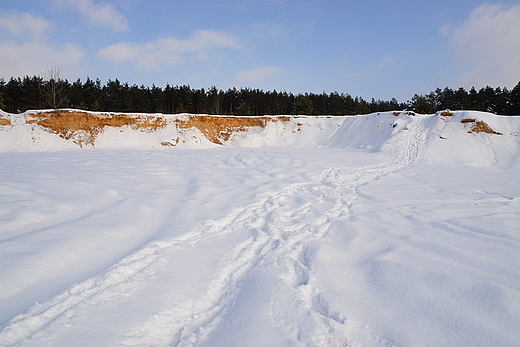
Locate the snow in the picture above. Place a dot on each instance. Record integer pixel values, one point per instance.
(376, 230)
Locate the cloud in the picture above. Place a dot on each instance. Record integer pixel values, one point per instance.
(20, 24)
(269, 30)
(33, 58)
(25, 50)
(385, 62)
(98, 14)
(489, 43)
(168, 51)
(258, 74)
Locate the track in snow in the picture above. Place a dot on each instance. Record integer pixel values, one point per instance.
(281, 226)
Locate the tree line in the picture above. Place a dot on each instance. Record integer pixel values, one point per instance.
(20, 94)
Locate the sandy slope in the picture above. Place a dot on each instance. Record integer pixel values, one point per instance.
(399, 230)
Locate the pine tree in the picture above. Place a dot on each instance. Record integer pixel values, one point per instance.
(422, 104)
(216, 100)
(244, 109)
(514, 101)
(12, 96)
(2, 90)
(302, 105)
(2, 105)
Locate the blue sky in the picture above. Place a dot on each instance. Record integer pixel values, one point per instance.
(380, 49)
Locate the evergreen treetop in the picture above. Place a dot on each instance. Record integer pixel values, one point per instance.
(21, 94)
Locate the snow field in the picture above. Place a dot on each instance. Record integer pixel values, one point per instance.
(377, 243)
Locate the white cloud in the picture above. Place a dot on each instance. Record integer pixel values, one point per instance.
(33, 58)
(168, 51)
(19, 24)
(385, 62)
(269, 30)
(258, 74)
(489, 42)
(25, 50)
(99, 14)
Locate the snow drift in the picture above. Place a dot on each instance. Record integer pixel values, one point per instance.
(475, 138)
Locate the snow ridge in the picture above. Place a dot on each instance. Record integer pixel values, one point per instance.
(469, 137)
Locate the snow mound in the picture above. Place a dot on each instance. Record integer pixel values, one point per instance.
(461, 137)
(473, 138)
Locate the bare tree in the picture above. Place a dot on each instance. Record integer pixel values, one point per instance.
(54, 87)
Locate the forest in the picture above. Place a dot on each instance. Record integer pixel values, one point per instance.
(29, 93)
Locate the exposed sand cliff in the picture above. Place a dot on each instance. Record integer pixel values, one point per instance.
(69, 124)
(4, 121)
(219, 129)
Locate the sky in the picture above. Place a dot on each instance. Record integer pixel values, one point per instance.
(373, 49)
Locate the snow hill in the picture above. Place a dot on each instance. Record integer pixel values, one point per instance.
(474, 138)
(136, 230)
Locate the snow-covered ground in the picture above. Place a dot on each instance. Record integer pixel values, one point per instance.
(377, 230)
